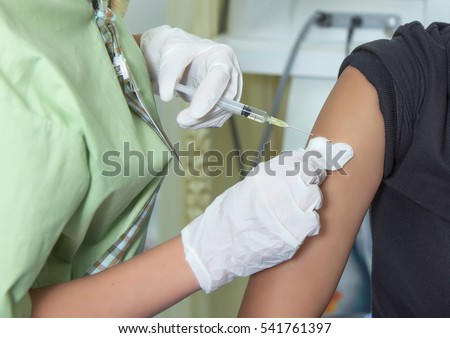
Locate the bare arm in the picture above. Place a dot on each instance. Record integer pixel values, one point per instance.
(303, 286)
(141, 287)
(137, 38)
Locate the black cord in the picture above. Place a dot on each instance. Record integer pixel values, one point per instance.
(237, 145)
(223, 21)
(314, 19)
(355, 23)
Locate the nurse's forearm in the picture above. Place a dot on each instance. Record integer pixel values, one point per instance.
(140, 287)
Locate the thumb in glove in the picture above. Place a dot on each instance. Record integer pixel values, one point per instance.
(175, 56)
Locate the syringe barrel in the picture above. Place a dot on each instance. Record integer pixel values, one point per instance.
(238, 108)
(255, 114)
(231, 106)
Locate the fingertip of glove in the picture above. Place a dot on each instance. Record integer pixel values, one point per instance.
(317, 177)
(165, 94)
(200, 108)
(181, 120)
(348, 153)
(185, 120)
(334, 156)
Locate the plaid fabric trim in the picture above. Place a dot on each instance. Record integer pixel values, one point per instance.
(116, 252)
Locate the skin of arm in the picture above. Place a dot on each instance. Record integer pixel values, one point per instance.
(137, 38)
(304, 285)
(140, 287)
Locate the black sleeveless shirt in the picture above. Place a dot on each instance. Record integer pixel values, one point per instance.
(410, 214)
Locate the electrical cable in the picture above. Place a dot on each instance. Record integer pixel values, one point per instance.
(223, 23)
(315, 18)
(223, 18)
(355, 23)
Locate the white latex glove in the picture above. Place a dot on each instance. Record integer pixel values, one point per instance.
(262, 220)
(172, 55)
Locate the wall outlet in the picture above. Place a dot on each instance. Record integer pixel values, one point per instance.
(361, 20)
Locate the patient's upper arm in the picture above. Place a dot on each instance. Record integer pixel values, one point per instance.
(304, 285)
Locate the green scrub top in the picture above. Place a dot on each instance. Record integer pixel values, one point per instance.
(65, 130)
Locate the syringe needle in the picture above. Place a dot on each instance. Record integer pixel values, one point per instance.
(283, 124)
(302, 131)
(239, 108)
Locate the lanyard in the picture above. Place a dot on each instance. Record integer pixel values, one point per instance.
(105, 20)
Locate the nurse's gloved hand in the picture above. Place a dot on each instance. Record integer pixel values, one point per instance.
(174, 56)
(262, 220)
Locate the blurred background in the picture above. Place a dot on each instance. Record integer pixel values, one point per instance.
(290, 64)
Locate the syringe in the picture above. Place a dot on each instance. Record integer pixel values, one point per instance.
(241, 109)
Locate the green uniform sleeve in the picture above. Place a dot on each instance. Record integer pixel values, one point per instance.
(43, 179)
